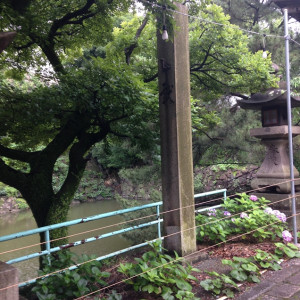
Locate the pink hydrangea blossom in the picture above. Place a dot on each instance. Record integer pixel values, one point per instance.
(286, 235)
(253, 198)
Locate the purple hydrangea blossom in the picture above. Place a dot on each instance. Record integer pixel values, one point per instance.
(281, 217)
(244, 215)
(287, 236)
(233, 220)
(253, 198)
(227, 213)
(276, 213)
(212, 212)
(268, 210)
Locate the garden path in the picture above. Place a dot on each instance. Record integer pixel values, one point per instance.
(279, 285)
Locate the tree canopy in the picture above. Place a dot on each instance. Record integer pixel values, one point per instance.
(87, 73)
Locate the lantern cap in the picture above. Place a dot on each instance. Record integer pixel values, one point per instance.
(272, 97)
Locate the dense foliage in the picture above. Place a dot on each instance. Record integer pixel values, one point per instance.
(88, 71)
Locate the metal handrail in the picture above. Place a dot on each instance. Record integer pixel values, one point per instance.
(47, 229)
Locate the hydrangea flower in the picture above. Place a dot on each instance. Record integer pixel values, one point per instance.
(287, 236)
(244, 215)
(212, 212)
(276, 213)
(233, 220)
(281, 217)
(253, 198)
(268, 210)
(227, 213)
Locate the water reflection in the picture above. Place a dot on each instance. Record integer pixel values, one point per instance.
(24, 221)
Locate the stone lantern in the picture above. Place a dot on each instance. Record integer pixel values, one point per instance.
(273, 176)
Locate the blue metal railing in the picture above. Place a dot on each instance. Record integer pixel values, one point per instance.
(47, 229)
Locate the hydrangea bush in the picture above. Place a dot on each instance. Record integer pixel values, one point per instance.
(243, 214)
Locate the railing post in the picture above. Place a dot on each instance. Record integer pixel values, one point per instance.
(47, 240)
(158, 224)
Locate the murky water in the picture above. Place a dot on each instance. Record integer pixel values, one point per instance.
(13, 223)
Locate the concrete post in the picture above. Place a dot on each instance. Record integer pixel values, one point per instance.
(8, 277)
(176, 138)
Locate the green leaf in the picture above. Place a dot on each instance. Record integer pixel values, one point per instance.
(238, 275)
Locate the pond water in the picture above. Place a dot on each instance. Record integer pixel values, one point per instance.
(13, 223)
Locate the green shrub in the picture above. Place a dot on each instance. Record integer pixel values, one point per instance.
(238, 216)
(69, 284)
(160, 274)
(287, 250)
(198, 184)
(22, 204)
(8, 191)
(219, 284)
(243, 269)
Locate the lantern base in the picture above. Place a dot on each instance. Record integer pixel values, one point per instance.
(275, 185)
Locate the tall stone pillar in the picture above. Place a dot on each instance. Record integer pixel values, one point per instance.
(8, 277)
(176, 138)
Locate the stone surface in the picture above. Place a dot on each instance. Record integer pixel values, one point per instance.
(283, 290)
(8, 277)
(280, 201)
(274, 173)
(295, 279)
(256, 291)
(284, 274)
(274, 132)
(176, 137)
(281, 285)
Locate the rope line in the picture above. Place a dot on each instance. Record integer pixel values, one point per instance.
(179, 259)
(263, 35)
(169, 235)
(210, 21)
(139, 219)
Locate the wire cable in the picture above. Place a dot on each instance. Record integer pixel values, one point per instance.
(169, 235)
(179, 259)
(141, 218)
(210, 21)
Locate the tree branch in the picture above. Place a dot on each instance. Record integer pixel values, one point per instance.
(59, 23)
(11, 176)
(17, 154)
(151, 78)
(130, 48)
